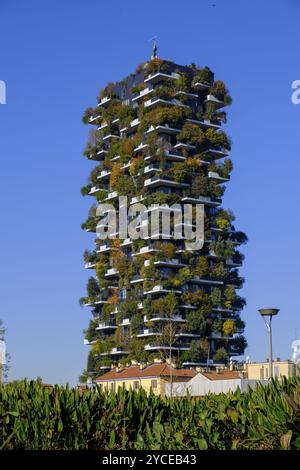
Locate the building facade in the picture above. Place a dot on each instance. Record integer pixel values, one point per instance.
(260, 370)
(156, 138)
(154, 378)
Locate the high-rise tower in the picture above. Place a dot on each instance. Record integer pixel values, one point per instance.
(157, 139)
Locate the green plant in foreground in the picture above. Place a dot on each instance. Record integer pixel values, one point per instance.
(35, 417)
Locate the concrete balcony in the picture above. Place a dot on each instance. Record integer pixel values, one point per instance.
(104, 174)
(157, 347)
(104, 248)
(89, 343)
(157, 318)
(201, 86)
(185, 95)
(233, 264)
(94, 302)
(136, 200)
(95, 189)
(125, 322)
(90, 265)
(158, 77)
(145, 250)
(187, 335)
(152, 169)
(156, 181)
(105, 326)
(217, 153)
(98, 156)
(174, 156)
(110, 137)
(104, 101)
(171, 263)
(126, 242)
(141, 148)
(115, 352)
(111, 272)
(161, 208)
(206, 200)
(137, 279)
(111, 196)
(145, 92)
(163, 129)
(204, 123)
(214, 176)
(161, 290)
(103, 126)
(153, 102)
(183, 146)
(213, 100)
(94, 119)
(205, 282)
(148, 332)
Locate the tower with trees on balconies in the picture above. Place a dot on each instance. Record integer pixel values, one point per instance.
(156, 138)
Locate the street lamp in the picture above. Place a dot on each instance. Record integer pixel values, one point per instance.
(268, 314)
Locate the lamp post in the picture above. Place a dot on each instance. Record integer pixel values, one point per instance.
(268, 314)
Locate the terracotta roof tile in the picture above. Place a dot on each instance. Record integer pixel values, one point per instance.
(154, 370)
(222, 375)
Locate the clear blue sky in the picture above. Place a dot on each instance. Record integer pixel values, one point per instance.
(54, 58)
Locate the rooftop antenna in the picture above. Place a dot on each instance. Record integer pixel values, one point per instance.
(154, 47)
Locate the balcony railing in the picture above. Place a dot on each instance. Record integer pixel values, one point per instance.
(157, 77)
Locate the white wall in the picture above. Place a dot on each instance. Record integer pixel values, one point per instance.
(199, 387)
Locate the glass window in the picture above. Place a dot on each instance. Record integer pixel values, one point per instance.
(153, 383)
(135, 385)
(112, 386)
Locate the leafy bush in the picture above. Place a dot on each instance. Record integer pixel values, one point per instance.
(33, 417)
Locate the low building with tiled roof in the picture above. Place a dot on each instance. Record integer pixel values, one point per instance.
(153, 377)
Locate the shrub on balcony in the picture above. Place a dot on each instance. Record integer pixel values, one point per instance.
(138, 88)
(215, 190)
(216, 297)
(167, 250)
(220, 92)
(203, 76)
(239, 344)
(163, 92)
(88, 113)
(229, 327)
(91, 333)
(219, 271)
(136, 323)
(217, 139)
(191, 134)
(85, 190)
(184, 275)
(92, 288)
(198, 351)
(163, 115)
(201, 269)
(195, 323)
(89, 256)
(137, 166)
(220, 354)
(103, 346)
(199, 186)
(126, 114)
(223, 219)
(107, 91)
(157, 65)
(182, 83)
